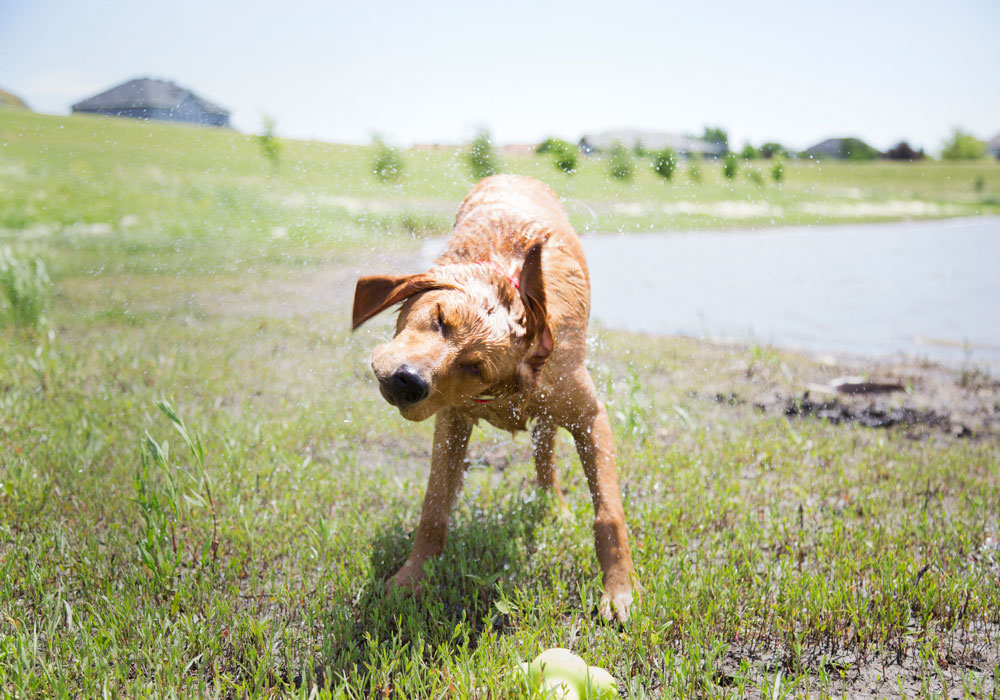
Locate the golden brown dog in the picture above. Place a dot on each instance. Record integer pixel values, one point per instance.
(497, 331)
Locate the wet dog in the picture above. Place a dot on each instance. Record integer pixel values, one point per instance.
(496, 330)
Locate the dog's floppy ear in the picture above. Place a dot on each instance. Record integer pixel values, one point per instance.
(531, 287)
(376, 293)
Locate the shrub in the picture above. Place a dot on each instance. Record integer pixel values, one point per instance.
(772, 149)
(718, 136)
(388, 164)
(963, 146)
(270, 146)
(749, 153)
(778, 171)
(483, 160)
(902, 151)
(549, 145)
(755, 176)
(621, 166)
(730, 166)
(24, 285)
(665, 163)
(566, 159)
(564, 153)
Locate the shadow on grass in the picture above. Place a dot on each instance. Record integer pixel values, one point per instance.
(488, 550)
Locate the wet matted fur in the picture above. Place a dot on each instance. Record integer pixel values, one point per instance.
(496, 330)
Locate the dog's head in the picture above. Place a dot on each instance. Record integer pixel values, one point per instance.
(463, 331)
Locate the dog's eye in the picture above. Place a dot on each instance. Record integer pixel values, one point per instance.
(439, 324)
(472, 369)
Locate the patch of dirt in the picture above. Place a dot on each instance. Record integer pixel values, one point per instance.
(873, 415)
(934, 399)
(963, 668)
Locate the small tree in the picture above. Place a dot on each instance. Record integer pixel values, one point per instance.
(730, 166)
(718, 136)
(963, 146)
(388, 164)
(749, 153)
(566, 159)
(548, 145)
(483, 160)
(270, 146)
(772, 149)
(903, 151)
(621, 166)
(665, 163)
(778, 170)
(564, 154)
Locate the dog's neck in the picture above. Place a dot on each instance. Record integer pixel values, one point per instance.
(504, 389)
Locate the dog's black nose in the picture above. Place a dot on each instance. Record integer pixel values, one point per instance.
(407, 387)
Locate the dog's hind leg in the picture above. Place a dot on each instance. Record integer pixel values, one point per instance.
(543, 440)
(451, 438)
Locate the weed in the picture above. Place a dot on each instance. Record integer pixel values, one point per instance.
(387, 164)
(482, 159)
(24, 285)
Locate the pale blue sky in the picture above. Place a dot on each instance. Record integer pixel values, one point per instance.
(792, 71)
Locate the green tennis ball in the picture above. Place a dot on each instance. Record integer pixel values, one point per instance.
(569, 676)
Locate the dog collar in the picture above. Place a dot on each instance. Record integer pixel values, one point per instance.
(483, 398)
(513, 279)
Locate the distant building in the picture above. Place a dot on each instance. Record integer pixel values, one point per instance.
(993, 146)
(847, 147)
(649, 141)
(146, 98)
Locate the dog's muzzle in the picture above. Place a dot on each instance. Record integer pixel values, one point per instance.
(404, 387)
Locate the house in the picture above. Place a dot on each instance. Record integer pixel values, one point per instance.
(147, 98)
(845, 148)
(649, 141)
(993, 146)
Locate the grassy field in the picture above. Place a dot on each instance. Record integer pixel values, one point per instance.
(234, 542)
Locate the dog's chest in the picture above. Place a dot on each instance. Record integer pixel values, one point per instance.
(506, 413)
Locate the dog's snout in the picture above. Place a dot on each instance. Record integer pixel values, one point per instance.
(406, 387)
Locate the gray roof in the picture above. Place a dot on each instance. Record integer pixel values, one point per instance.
(145, 92)
(650, 140)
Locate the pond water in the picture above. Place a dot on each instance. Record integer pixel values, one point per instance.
(928, 289)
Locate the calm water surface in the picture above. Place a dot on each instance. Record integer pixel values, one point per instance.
(929, 289)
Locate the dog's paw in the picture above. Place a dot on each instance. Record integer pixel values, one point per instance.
(616, 605)
(407, 580)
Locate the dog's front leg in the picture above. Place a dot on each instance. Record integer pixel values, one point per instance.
(451, 438)
(592, 434)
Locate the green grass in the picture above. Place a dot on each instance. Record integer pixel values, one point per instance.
(235, 544)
